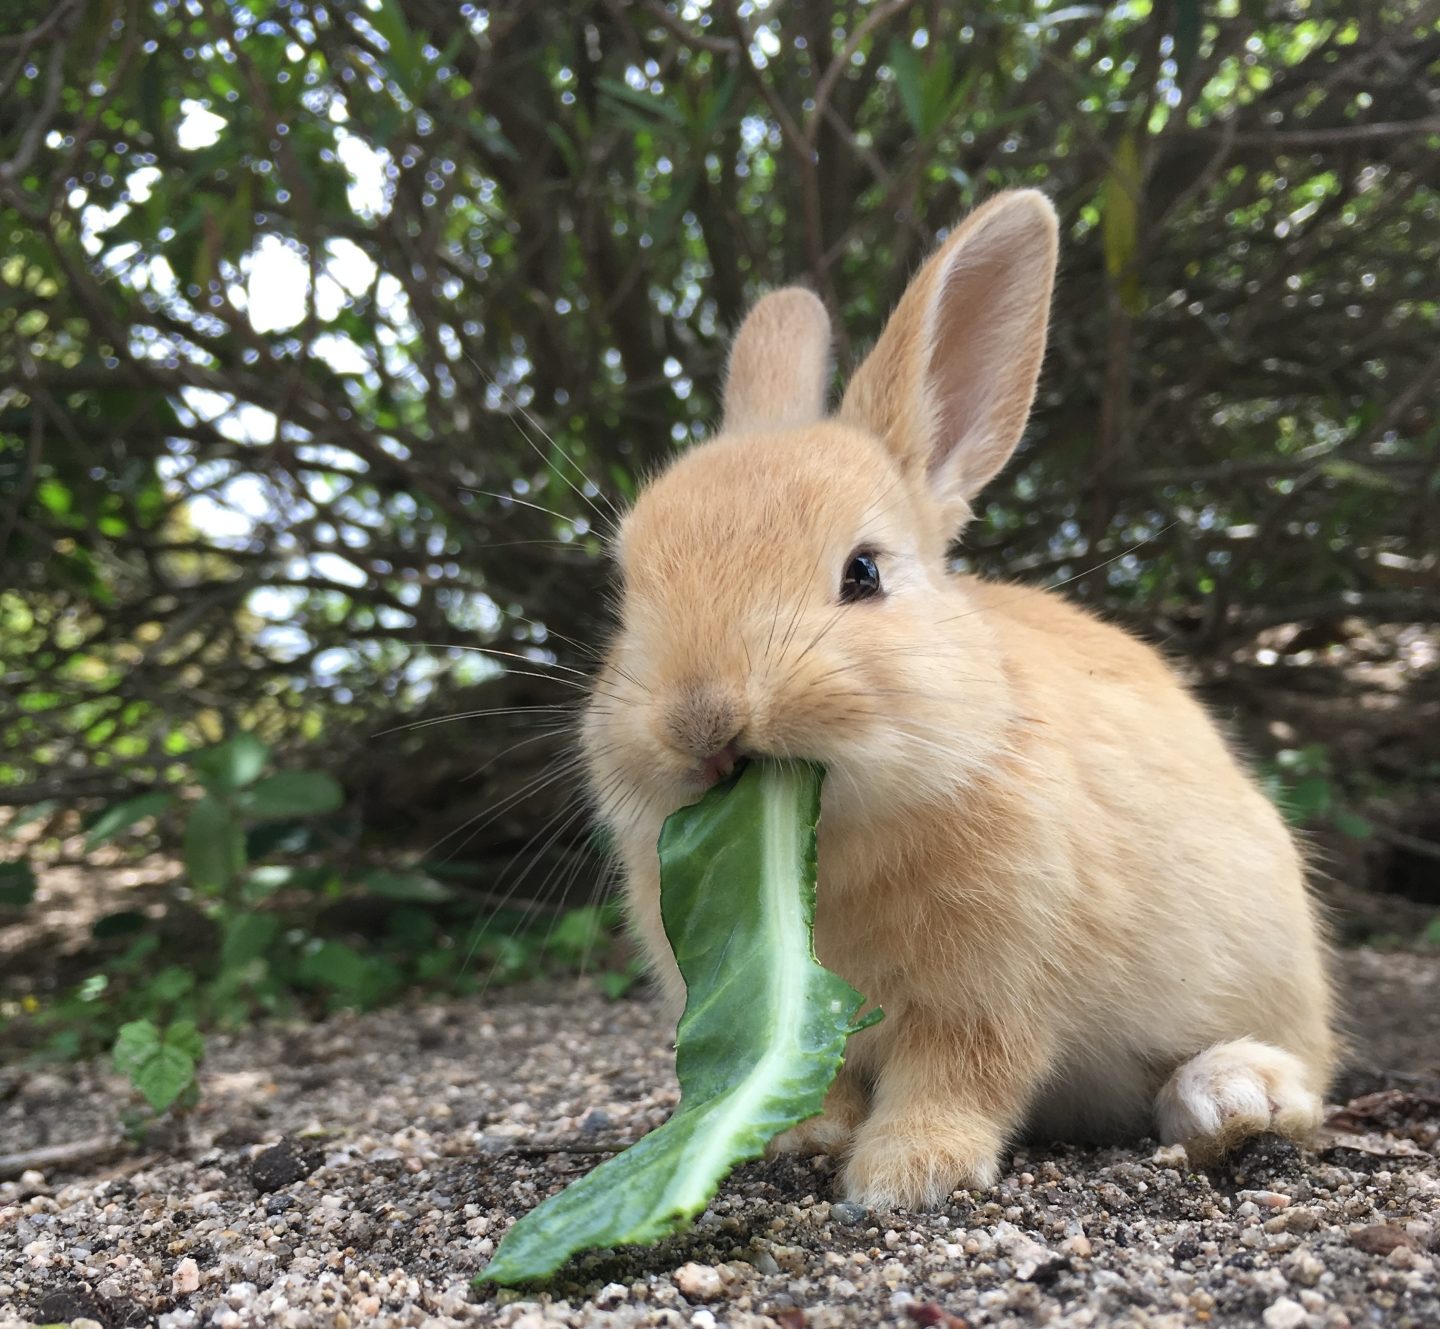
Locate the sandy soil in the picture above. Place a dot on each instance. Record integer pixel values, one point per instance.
(359, 1172)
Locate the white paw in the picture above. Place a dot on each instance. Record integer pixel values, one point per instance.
(1235, 1090)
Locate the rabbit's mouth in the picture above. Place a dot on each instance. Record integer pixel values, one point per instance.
(722, 765)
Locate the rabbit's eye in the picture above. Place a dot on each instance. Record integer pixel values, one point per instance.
(861, 579)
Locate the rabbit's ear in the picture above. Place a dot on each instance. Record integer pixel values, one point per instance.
(949, 384)
(780, 363)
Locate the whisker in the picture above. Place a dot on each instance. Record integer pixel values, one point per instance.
(614, 516)
(515, 747)
(471, 715)
(1124, 553)
(544, 780)
(523, 502)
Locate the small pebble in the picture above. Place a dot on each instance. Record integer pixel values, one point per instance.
(186, 1278)
(849, 1214)
(699, 1282)
(1284, 1314)
(1266, 1199)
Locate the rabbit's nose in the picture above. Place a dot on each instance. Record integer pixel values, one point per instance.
(704, 722)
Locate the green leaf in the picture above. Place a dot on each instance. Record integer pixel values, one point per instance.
(233, 764)
(764, 1028)
(334, 965)
(1308, 798)
(1120, 222)
(576, 936)
(17, 884)
(414, 887)
(160, 1066)
(909, 82)
(247, 937)
(164, 1077)
(136, 1043)
(214, 846)
(617, 96)
(294, 794)
(388, 19)
(170, 984)
(27, 817)
(615, 983)
(122, 816)
(184, 1036)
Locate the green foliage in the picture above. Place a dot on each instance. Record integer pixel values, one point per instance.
(160, 1063)
(764, 1028)
(1302, 784)
(290, 294)
(277, 282)
(17, 884)
(265, 867)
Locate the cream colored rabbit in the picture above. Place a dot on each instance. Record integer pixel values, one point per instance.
(1036, 853)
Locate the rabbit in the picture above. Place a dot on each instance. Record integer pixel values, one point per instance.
(1082, 917)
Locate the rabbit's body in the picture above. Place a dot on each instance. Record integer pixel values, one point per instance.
(1036, 852)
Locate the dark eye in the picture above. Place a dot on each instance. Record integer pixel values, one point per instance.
(861, 579)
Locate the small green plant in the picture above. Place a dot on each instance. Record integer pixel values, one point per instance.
(229, 808)
(161, 1063)
(234, 793)
(264, 921)
(1302, 784)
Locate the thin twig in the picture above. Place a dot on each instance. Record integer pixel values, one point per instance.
(880, 14)
(66, 1157)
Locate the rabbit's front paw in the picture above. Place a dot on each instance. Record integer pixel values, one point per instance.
(917, 1167)
(831, 1131)
(820, 1135)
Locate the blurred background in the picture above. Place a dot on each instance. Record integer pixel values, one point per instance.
(329, 332)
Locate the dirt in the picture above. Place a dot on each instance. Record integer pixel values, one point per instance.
(360, 1171)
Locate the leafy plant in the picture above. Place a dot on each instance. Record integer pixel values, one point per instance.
(223, 801)
(17, 884)
(1302, 784)
(268, 887)
(764, 1028)
(161, 1063)
(1241, 437)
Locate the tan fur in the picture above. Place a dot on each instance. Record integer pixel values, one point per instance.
(1036, 852)
(780, 363)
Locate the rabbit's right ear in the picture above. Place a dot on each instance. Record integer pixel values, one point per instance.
(949, 384)
(780, 363)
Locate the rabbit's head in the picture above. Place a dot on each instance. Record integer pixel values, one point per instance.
(785, 589)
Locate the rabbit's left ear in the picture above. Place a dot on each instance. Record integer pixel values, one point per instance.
(949, 384)
(780, 363)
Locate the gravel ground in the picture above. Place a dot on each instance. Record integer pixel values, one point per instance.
(359, 1172)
